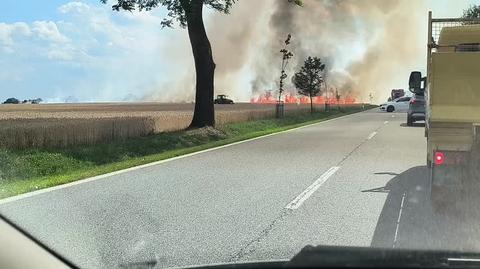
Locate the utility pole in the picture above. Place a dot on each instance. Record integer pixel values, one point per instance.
(326, 90)
(337, 97)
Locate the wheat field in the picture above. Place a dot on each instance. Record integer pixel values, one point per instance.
(62, 125)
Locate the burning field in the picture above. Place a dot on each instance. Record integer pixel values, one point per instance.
(61, 125)
(293, 99)
(364, 45)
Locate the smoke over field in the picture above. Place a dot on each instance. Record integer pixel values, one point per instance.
(99, 55)
(369, 46)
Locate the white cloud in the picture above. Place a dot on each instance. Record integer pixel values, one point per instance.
(92, 53)
(74, 7)
(48, 30)
(56, 54)
(10, 76)
(8, 31)
(8, 50)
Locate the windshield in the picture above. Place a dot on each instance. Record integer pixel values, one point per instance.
(135, 132)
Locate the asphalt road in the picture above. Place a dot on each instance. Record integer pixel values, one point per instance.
(354, 181)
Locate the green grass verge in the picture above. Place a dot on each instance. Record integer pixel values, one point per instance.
(23, 171)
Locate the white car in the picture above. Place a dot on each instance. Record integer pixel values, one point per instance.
(397, 105)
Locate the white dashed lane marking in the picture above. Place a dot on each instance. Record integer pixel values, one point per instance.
(371, 135)
(302, 197)
(398, 220)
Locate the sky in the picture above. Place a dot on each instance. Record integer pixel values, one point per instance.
(82, 51)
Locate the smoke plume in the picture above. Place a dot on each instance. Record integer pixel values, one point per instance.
(369, 46)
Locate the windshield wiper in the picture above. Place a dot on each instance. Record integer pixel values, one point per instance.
(333, 256)
(323, 256)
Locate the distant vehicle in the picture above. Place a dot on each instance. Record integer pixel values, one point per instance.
(36, 101)
(396, 93)
(416, 109)
(398, 105)
(222, 99)
(12, 101)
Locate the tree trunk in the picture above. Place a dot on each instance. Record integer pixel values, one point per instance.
(204, 113)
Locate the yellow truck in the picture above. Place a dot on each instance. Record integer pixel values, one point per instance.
(452, 125)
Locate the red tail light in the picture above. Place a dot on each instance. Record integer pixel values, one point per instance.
(439, 158)
(450, 157)
(412, 101)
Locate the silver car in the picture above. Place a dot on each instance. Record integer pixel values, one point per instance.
(416, 109)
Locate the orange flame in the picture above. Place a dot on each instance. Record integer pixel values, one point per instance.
(292, 99)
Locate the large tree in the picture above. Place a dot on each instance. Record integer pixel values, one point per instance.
(309, 79)
(189, 14)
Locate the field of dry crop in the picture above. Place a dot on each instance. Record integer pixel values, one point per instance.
(61, 125)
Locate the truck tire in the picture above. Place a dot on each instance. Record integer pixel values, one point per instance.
(390, 109)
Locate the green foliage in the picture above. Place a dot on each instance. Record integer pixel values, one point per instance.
(297, 2)
(27, 164)
(50, 163)
(473, 12)
(309, 79)
(177, 10)
(12, 101)
(11, 166)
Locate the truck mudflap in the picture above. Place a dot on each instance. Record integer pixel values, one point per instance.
(449, 179)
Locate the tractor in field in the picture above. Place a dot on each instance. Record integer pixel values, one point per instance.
(222, 99)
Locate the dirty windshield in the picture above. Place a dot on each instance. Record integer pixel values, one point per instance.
(181, 133)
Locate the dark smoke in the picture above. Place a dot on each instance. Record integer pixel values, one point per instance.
(367, 45)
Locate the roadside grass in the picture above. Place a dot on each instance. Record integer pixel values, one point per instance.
(23, 171)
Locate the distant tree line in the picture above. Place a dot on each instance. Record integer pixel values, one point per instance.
(13, 100)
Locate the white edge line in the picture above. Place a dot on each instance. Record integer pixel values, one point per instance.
(302, 197)
(371, 135)
(86, 180)
(398, 220)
